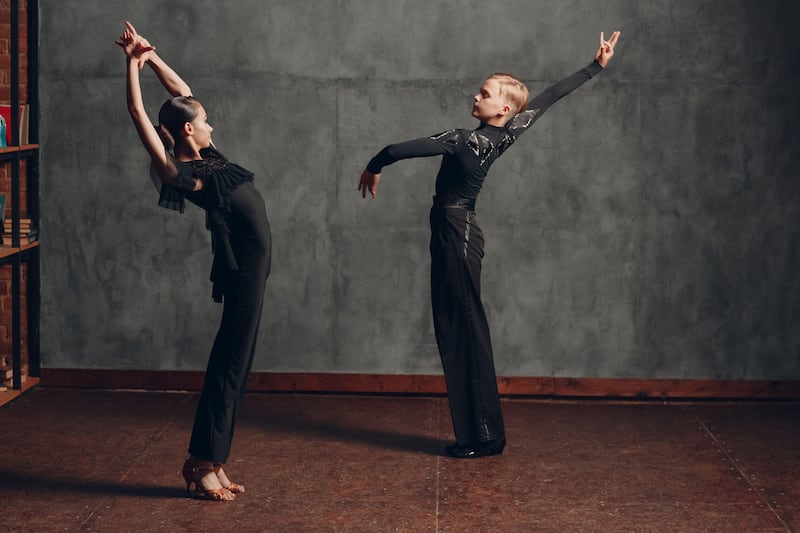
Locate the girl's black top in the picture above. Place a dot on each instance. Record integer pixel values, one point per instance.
(468, 154)
(220, 178)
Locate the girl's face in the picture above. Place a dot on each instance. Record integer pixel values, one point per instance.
(201, 129)
(488, 103)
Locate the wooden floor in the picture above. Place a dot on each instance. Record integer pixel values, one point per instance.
(82, 460)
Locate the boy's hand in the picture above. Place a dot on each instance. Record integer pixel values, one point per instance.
(369, 181)
(606, 50)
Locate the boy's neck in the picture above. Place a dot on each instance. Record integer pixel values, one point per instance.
(497, 122)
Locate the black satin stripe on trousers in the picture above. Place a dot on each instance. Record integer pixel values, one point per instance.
(462, 330)
(232, 354)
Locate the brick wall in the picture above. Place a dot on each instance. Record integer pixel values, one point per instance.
(5, 51)
(5, 187)
(5, 315)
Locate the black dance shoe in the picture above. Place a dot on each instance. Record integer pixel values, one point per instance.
(478, 449)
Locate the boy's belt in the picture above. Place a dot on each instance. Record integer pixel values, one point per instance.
(454, 201)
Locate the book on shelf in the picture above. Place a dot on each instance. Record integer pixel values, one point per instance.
(3, 218)
(22, 231)
(23, 119)
(24, 124)
(7, 375)
(24, 224)
(27, 233)
(24, 238)
(5, 125)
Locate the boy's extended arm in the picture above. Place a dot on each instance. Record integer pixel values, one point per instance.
(443, 143)
(542, 102)
(440, 144)
(560, 89)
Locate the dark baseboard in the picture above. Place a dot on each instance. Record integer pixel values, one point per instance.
(429, 384)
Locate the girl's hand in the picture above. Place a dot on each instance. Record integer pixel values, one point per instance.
(606, 50)
(135, 46)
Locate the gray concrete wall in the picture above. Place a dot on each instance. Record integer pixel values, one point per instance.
(646, 227)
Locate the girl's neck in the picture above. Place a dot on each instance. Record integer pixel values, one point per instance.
(186, 153)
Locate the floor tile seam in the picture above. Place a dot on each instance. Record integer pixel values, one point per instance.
(740, 469)
(150, 442)
(436, 497)
(438, 467)
(632, 504)
(137, 459)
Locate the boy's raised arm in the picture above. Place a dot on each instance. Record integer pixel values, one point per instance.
(541, 102)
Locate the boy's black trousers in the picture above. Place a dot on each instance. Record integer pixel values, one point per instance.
(462, 331)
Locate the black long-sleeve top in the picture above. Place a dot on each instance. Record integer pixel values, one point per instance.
(468, 154)
(220, 178)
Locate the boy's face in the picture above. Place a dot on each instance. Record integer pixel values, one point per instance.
(488, 103)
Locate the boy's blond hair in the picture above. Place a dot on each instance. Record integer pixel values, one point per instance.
(513, 89)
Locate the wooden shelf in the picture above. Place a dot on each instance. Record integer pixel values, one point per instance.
(11, 394)
(23, 148)
(8, 251)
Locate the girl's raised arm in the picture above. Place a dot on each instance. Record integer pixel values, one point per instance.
(170, 79)
(173, 83)
(138, 51)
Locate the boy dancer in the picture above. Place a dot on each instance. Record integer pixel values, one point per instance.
(462, 331)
